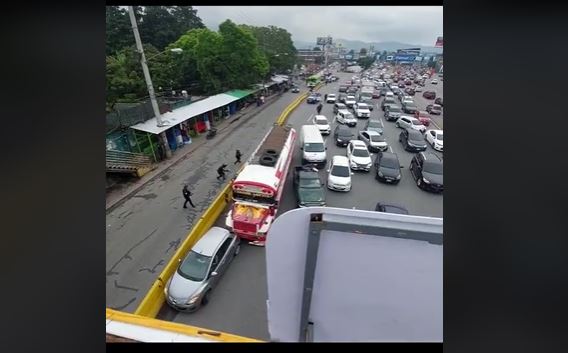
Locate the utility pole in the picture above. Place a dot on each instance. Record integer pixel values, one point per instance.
(151, 92)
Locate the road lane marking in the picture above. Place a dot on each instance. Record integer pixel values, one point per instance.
(436, 125)
(311, 116)
(390, 149)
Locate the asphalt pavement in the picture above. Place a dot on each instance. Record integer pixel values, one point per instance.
(145, 230)
(238, 304)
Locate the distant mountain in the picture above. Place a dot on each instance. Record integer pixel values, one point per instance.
(379, 46)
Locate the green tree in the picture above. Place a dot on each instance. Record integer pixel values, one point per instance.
(363, 52)
(242, 58)
(213, 71)
(118, 29)
(316, 49)
(366, 62)
(124, 79)
(277, 45)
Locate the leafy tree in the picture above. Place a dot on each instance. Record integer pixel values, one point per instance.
(363, 52)
(124, 79)
(118, 29)
(212, 70)
(242, 58)
(366, 62)
(317, 49)
(277, 45)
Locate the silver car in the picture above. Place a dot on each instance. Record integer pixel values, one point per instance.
(200, 271)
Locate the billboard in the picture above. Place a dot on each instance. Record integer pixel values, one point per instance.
(390, 58)
(323, 40)
(405, 57)
(439, 42)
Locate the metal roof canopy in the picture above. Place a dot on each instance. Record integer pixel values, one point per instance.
(184, 113)
(352, 275)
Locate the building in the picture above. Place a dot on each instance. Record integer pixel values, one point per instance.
(309, 55)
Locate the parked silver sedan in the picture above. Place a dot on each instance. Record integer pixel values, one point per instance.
(200, 271)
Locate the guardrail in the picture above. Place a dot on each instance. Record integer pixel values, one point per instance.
(155, 298)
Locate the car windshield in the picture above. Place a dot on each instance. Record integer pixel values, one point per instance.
(360, 152)
(314, 147)
(391, 163)
(322, 121)
(377, 138)
(195, 266)
(362, 106)
(310, 182)
(376, 124)
(394, 109)
(340, 171)
(349, 116)
(345, 134)
(416, 122)
(433, 167)
(415, 137)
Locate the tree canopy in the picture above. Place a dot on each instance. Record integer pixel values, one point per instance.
(277, 45)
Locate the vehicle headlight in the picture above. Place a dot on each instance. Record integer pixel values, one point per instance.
(381, 174)
(369, 164)
(426, 180)
(398, 177)
(353, 164)
(193, 299)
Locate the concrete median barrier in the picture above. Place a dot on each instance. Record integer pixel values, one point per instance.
(154, 299)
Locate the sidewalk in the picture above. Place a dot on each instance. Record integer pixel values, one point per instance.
(120, 193)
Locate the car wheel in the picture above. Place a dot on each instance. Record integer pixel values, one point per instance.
(419, 183)
(238, 250)
(205, 298)
(397, 124)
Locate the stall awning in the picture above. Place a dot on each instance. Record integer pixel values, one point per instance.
(184, 113)
(241, 93)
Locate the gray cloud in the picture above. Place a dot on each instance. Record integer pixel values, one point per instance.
(418, 25)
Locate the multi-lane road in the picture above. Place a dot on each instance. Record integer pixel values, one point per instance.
(238, 304)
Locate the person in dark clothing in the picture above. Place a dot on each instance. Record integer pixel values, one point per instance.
(221, 171)
(186, 196)
(238, 156)
(319, 108)
(325, 97)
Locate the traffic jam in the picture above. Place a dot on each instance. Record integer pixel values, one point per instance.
(302, 151)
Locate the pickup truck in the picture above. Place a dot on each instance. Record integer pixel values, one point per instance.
(308, 186)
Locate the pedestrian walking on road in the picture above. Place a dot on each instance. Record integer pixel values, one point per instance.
(325, 97)
(221, 171)
(187, 197)
(238, 156)
(319, 108)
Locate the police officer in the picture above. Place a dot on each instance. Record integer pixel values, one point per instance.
(187, 197)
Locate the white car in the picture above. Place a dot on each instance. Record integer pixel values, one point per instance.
(418, 88)
(339, 174)
(323, 124)
(350, 101)
(359, 156)
(409, 122)
(434, 82)
(407, 100)
(345, 117)
(375, 142)
(436, 139)
(362, 110)
(331, 98)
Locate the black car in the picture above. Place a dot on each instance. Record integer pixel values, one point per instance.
(439, 101)
(387, 167)
(409, 108)
(341, 98)
(387, 100)
(392, 112)
(381, 207)
(342, 135)
(412, 140)
(428, 171)
(352, 89)
(384, 91)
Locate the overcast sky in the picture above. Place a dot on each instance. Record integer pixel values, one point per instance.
(419, 25)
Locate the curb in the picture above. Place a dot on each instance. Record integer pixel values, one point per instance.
(238, 122)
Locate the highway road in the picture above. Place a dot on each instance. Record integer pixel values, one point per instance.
(144, 231)
(238, 304)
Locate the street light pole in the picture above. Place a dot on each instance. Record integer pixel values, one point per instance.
(151, 92)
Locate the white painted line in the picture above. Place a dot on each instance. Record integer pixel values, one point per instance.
(390, 149)
(311, 116)
(434, 123)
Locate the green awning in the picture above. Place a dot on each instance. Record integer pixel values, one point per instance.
(240, 93)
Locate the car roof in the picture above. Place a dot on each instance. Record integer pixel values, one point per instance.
(436, 131)
(414, 133)
(340, 160)
(371, 132)
(210, 241)
(320, 116)
(358, 144)
(431, 157)
(344, 128)
(388, 155)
